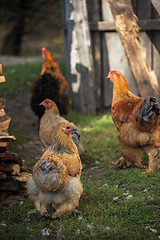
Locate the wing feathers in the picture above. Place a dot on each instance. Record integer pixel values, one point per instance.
(50, 175)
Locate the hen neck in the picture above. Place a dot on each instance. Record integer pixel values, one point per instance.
(64, 144)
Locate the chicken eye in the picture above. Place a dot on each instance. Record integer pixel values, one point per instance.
(67, 127)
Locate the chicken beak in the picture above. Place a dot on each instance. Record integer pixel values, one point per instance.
(74, 129)
(108, 76)
(42, 103)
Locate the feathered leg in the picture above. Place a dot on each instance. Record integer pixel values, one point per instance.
(73, 191)
(67, 207)
(41, 207)
(131, 156)
(154, 157)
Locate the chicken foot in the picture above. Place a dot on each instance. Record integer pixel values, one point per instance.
(63, 209)
(130, 157)
(154, 157)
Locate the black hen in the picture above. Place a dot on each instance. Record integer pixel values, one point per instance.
(50, 84)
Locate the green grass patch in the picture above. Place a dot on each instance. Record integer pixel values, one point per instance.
(22, 137)
(19, 77)
(117, 204)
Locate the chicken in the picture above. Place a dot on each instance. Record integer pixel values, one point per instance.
(138, 123)
(50, 84)
(49, 122)
(55, 185)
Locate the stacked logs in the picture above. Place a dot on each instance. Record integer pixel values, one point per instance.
(12, 172)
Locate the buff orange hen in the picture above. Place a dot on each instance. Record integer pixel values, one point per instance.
(138, 122)
(55, 185)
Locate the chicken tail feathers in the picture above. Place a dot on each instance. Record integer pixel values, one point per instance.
(149, 112)
(76, 136)
(149, 107)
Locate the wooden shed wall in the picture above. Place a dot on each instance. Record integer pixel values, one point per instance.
(107, 49)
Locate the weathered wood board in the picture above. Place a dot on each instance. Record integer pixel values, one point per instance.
(114, 58)
(128, 31)
(80, 69)
(93, 6)
(112, 48)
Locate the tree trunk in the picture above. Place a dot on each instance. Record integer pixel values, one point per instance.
(13, 39)
(15, 27)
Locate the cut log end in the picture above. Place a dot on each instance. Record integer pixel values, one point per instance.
(2, 79)
(23, 177)
(14, 167)
(1, 68)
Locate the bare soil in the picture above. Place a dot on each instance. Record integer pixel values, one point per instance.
(22, 115)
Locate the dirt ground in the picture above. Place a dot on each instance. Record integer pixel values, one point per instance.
(22, 115)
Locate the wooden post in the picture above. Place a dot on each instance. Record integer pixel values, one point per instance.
(127, 28)
(94, 6)
(80, 70)
(114, 57)
(156, 4)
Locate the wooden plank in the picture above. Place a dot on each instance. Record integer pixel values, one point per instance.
(79, 57)
(1, 68)
(149, 24)
(23, 177)
(104, 26)
(113, 58)
(94, 6)
(7, 139)
(3, 168)
(2, 113)
(4, 125)
(143, 12)
(10, 158)
(155, 37)
(2, 103)
(2, 79)
(4, 144)
(128, 31)
(106, 51)
(143, 25)
(156, 4)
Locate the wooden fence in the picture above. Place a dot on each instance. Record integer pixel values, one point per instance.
(96, 44)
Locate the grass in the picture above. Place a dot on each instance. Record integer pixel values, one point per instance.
(117, 204)
(20, 77)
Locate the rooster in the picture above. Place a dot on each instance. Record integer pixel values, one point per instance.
(55, 185)
(138, 122)
(49, 122)
(50, 84)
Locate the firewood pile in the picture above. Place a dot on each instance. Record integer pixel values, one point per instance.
(13, 175)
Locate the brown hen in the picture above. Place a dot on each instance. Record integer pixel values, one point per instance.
(49, 122)
(138, 123)
(55, 185)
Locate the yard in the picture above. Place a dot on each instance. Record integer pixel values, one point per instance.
(116, 204)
